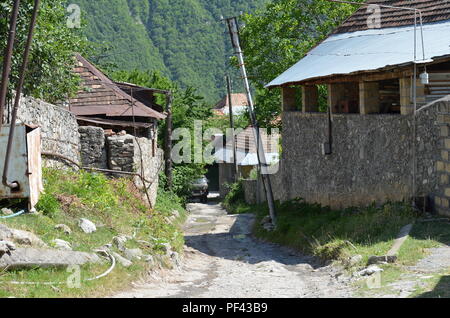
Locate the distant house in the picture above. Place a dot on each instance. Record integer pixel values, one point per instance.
(118, 126)
(386, 135)
(246, 155)
(239, 104)
(114, 105)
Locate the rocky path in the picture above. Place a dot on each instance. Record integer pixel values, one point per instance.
(222, 260)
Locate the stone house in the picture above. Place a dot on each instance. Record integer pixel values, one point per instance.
(383, 133)
(118, 125)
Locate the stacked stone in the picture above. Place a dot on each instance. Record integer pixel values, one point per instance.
(442, 199)
(92, 147)
(121, 153)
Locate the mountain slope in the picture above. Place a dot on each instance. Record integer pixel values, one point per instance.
(182, 38)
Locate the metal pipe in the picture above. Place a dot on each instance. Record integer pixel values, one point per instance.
(7, 59)
(23, 71)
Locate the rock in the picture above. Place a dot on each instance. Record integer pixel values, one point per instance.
(87, 226)
(6, 247)
(131, 254)
(175, 214)
(122, 260)
(149, 259)
(352, 261)
(372, 269)
(268, 227)
(120, 241)
(44, 258)
(267, 219)
(382, 259)
(20, 237)
(64, 228)
(176, 260)
(6, 211)
(62, 245)
(166, 247)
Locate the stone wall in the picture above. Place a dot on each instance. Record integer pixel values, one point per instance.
(442, 194)
(372, 158)
(92, 147)
(123, 153)
(59, 128)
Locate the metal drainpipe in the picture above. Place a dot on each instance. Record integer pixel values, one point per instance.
(7, 59)
(14, 185)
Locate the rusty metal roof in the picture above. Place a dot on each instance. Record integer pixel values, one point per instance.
(237, 99)
(432, 11)
(101, 96)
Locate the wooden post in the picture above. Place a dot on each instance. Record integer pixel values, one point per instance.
(369, 97)
(288, 99)
(310, 98)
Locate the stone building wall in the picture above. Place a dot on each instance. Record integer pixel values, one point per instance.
(59, 128)
(93, 147)
(123, 153)
(371, 161)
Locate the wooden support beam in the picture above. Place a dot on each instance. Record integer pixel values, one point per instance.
(288, 97)
(310, 98)
(369, 97)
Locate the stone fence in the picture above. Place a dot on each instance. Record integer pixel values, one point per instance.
(59, 128)
(371, 161)
(123, 153)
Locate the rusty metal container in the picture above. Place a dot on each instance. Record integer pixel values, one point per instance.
(25, 165)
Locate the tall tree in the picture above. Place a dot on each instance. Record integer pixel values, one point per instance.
(278, 36)
(49, 75)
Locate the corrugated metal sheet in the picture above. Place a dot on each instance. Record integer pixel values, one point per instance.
(370, 50)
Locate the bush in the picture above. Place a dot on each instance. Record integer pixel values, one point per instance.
(234, 201)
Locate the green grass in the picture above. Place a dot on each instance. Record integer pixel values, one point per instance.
(113, 204)
(337, 235)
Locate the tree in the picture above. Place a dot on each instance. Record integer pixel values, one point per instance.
(187, 107)
(276, 37)
(49, 75)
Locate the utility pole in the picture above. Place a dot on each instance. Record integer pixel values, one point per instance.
(233, 142)
(168, 141)
(262, 163)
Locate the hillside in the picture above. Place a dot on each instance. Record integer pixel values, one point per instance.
(182, 38)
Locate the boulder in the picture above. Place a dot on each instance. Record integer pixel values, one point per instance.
(372, 269)
(20, 237)
(64, 228)
(6, 247)
(119, 241)
(87, 226)
(44, 258)
(62, 245)
(131, 254)
(6, 211)
(122, 260)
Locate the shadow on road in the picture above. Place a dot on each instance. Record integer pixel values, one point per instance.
(237, 244)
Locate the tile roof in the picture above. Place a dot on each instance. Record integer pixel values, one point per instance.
(101, 96)
(432, 11)
(237, 99)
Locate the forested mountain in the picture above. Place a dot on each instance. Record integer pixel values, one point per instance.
(184, 39)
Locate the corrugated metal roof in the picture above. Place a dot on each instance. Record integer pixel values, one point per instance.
(370, 50)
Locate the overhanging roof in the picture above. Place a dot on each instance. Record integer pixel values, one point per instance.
(369, 50)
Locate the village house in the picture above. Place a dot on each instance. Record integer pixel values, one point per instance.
(239, 103)
(118, 125)
(384, 132)
(246, 155)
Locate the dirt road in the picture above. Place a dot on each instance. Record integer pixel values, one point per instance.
(222, 260)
